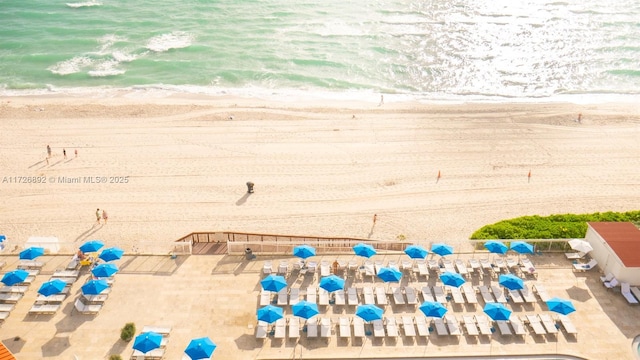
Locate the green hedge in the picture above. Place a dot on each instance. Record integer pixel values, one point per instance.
(565, 226)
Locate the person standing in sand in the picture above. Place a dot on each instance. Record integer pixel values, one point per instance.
(64, 153)
(98, 215)
(48, 151)
(375, 218)
(76, 152)
(105, 217)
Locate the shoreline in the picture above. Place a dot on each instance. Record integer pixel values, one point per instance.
(317, 169)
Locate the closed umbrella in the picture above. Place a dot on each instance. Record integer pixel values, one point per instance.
(496, 247)
(112, 253)
(305, 309)
(580, 245)
(200, 348)
(304, 251)
(15, 277)
(522, 247)
(497, 311)
(433, 309)
(274, 283)
(270, 313)
(442, 249)
(369, 312)
(452, 279)
(388, 274)
(104, 270)
(561, 306)
(31, 253)
(416, 252)
(52, 287)
(94, 287)
(332, 283)
(364, 250)
(147, 341)
(511, 282)
(91, 246)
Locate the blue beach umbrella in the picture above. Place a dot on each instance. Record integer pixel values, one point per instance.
(51, 287)
(561, 306)
(442, 249)
(332, 283)
(147, 341)
(15, 277)
(522, 247)
(433, 309)
(270, 313)
(369, 312)
(496, 247)
(388, 274)
(304, 251)
(364, 250)
(31, 253)
(274, 283)
(497, 311)
(511, 282)
(94, 287)
(452, 279)
(91, 246)
(104, 270)
(305, 309)
(416, 252)
(2, 238)
(200, 348)
(112, 253)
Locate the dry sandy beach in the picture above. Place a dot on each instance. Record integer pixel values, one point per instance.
(174, 165)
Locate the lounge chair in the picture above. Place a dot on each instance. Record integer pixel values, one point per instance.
(283, 268)
(421, 325)
(504, 328)
(358, 327)
(398, 298)
(261, 330)
(611, 284)
(352, 265)
(7, 307)
(548, 323)
(636, 292)
(527, 294)
(485, 264)
(438, 292)
(427, 295)
(325, 327)
(412, 298)
(87, 308)
(344, 327)
(541, 291)
(515, 296)
(4, 315)
(470, 325)
(393, 265)
(323, 297)
(585, 267)
(367, 293)
(512, 263)
(456, 295)
(461, 267)
(368, 268)
(294, 328)
(423, 270)
(312, 267)
(441, 329)
(469, 293)
(607, 277)
(475, 265)
(280, 329)
(294, 296)
(339, 298)
(483, 324)
(518, 327)
(378, 328)
(448, 265)
(378, 264)
(312, 327)
(19, 289)
(10, 297)
(311, 295)
(498, 293)
(282, 297)
(267, 268)
(453, 325)
(567, 325)
(625, 290)
(534, 322)
(392, 326)
(51, 299)
(406, 265)
(44, 309)
(486, 294)
(500, 264)
(407, 326)
(325, 268)
(352, 296)
(433, 265)
(574, 255)
(381, 295)
(527, 267)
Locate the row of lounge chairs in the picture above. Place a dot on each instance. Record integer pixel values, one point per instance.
(10, 295)
(52, 303)
(158, 353)
(630, 293)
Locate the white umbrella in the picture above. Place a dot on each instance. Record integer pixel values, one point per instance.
(580, 245)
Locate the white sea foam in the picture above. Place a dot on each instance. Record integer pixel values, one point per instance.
(71, 66)
(107, 41)
(122, 56)
(173, 40)
(84, 4)
(106, 68)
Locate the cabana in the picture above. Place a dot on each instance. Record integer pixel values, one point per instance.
(616, 248)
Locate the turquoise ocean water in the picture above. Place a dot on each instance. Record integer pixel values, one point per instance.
(422, 49)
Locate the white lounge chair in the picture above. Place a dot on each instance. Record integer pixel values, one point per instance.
(423, 270)
(426, 294)
(358, 327)
(518, 327)
(398, 297)
(456, 295)
(412, 298)
(352, 296)
(44, 309)
(504, 328)
(282, 297)
(265, 297)
(500, 264)
(475, 265)
(548, 323)
(261, 330)
(527, 266)
(485, 264)
(86, 309)
(381, 295)
(294, 296)
(483, 324)
(325, 268)
(607, 277)
(515, 296)
(625, 290)
(392, 264)
(470, 325)
(567, 325)
(611, 284)
(486, 294)
(448, 265)
(535, 324)
(352, 265)
(378, 264)
(267, 268)
(367, 294)
(408, 327)
(339, 297)
(311, 295)
(574, 255)
(585, 267)
(461, 267)
(498, 293)
(406, 265)
(283, 268)
(325, 327)
(636, 292)
(527, 294)
(344, 328)
(469, 293)
(421, 325)
(453, 325)
(438, 292)
(512, 263)
(392, 326)
(294, 328)
(10, 297)
(312, 327)
(323, 297)
(280, 329)
(441, 329)
(541, 291)
(7, 307)
(433, 265)
(378, 328)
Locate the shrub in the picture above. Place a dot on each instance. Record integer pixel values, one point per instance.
(127, 332)
(115, 357)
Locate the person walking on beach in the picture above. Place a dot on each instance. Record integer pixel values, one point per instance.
(105, 217)
(375, 218)
(76, 152)
(381, 100)
(64, 153)
(580, 118)
(98, 215)
(48, 151)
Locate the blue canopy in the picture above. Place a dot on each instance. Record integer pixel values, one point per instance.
(112, 253)
(94, 287)
(91, 246)
(274, 283)
(270, 313)
(511, 282)
(51, 287)
(442, 249)
(15, 277)
(364, 250)
(147, 341)
(332, 283)
(369, 312)
(388, 274)
(305, 309)
(452, 279)
(561, 306)
(200, 348)
(433, 309)
(497, 311)
(31, 253)
(304, 251)
(522, 247)
(416, 252)
(496, 247)
(104, 270)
